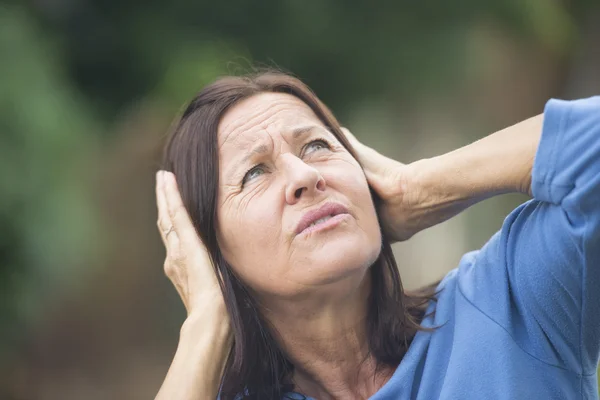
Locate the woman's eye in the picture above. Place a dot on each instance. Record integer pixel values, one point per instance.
(253, 173)
(316, 145)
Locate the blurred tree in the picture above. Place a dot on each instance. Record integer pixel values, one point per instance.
(46, 223)
(117, 51)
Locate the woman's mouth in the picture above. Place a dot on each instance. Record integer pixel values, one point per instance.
(325, 217)
(321, 220)
(323, 224)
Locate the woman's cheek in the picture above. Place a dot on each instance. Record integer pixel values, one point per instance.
(348, 178)
(261, 216)
(248, 197)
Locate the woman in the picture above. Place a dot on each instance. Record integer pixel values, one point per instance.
(305, 301)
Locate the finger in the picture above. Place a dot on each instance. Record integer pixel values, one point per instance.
(360, 147)
(166, 226)
(164, 220)
(362, 151)
(173, 250)
(370, 158)
(178, 215)
(350, 136)
(185, 236)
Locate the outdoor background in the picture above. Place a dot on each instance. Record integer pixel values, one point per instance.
(89, 88)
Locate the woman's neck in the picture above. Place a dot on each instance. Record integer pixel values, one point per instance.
(327, 342)
(339, 367)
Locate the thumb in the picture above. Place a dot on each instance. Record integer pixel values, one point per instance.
(351, 138)
(372, 161)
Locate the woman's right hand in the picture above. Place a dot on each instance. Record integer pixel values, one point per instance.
(205, 337)
(187, 263)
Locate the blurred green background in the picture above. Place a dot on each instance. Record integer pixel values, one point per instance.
(89, 88)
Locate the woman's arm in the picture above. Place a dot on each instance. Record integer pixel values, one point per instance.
(499, 163)
(198, 365)
(205, 337)
(538, 276)
(429, 191)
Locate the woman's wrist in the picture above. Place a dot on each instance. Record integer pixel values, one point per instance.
(211, 313)
(449, 181)
(210, 336)
(435, 193)
(204, 344)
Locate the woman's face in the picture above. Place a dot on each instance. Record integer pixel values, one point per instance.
(294, 208)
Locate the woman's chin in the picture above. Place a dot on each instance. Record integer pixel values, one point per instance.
(341, 258)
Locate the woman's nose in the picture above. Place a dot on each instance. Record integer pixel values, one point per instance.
(303, 180)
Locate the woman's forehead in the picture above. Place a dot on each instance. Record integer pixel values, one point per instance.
(277, 111)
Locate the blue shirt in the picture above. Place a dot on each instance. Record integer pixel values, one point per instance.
(521, 316)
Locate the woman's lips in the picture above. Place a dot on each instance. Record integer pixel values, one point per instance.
(325, 225)
(332, 213)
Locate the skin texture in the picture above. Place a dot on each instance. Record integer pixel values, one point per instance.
(314, 292)
(313, 287)
(206, 335)
(294, 174)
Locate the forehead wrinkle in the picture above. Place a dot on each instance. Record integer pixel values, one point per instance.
(252, 122)
(260, 123)
(275, 109)
(261, 149)
(264, 143)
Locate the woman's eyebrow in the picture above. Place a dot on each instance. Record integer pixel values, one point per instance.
(260, 149)
(263, 149)
(299, 131)
(233, 171)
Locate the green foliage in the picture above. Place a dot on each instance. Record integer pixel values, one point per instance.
(118, 51)
(45, 218)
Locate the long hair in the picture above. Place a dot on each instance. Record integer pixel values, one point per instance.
(257, 368)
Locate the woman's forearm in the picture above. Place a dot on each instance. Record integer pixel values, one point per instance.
(198, 365)
(499, 163)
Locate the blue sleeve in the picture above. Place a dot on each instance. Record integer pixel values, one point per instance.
(539, 276)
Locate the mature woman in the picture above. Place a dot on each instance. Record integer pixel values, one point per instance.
(278, 225)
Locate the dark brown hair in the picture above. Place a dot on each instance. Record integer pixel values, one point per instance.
(257, 368)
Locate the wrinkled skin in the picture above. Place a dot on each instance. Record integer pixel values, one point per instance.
(263, 197)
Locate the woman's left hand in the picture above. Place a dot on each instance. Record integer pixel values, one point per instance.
(395, 183)
(426, 192)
